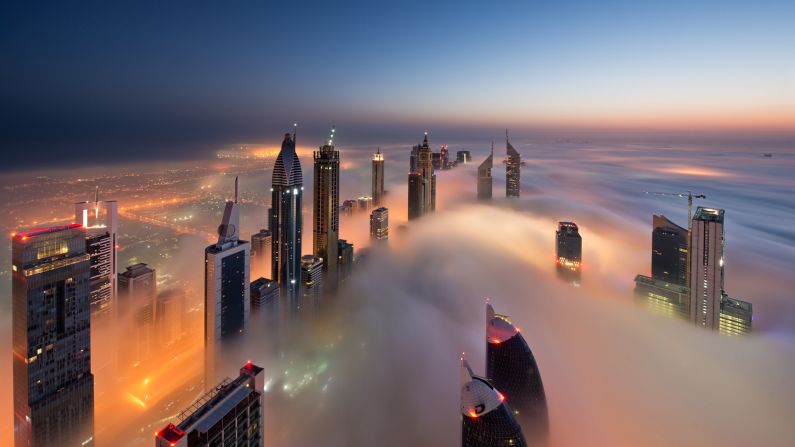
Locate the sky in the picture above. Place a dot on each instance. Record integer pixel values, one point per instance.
(83, 81)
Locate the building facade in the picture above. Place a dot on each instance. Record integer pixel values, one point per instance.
(706, 267)
(231, 414)
(668, 251)
(415, 195)
(327, 204)
(513, 171)
(100, 220)
(137, 309)
(261, 248)
(345, 258)
(512, 368)
(53, 389)
(662, 297)
(379, 224)
(485, 182)
(378, 178)
(422, 182)
(486, 420)
(285, 219)
(226, 288)
(311, 281)
(463, 157)
(263, 292)
(736, 316)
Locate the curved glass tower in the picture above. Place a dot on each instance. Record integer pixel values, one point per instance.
(285, 219)
(511, 367)
(486, 421)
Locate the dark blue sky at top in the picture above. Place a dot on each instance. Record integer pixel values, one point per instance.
(117, 80)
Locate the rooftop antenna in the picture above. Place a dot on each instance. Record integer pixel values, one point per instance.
(331, 136)
(96, 195)
(506, 134)
(295, 132)
(236, 189)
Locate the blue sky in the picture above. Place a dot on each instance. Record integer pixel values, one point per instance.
(122, 77)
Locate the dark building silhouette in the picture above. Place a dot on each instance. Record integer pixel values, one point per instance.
(228, 415)
(463, 157)
(513, 170)
(263, 292)
(486, 421)
(668, 251)
(285, 219)
(568, 244)
(415, 195)
(226, 286)
(485, 182)
(511, 367)
(378, 178)
(51, 339)
(326, 205)
(345, 258)
(422, 181)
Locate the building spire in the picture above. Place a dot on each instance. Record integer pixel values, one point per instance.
(96, 195)
(492, 147)
(236, 177)
(295, 133)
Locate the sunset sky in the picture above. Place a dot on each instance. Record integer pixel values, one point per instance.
(82, 80)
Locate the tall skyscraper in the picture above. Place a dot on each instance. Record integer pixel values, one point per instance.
(463, 157)
(484, 176)
(379, 224)
(511, 367)
(706, 268)
(486, 420)
(261, 249)
(425, 167)
(226, 290)
(378, 178)
(444, 154)
(170, 316)
(327, 204)
(100, 220)
(311, 281)
(422, 190)
(53, 384)
(264, 292)
(668, 251)
(364, 203)
(286, 222)
(569, 244)
(137, 308)
(513, 170)
(344, 258)
(414, 159)
(228, 415)
(415, 195)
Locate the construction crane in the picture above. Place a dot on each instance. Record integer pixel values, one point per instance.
(690, 196)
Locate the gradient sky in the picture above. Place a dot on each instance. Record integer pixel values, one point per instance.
(95, 80)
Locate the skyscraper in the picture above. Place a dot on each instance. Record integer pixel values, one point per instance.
(463, 157)
(230, 414)
(170, 315)
(706, 268)
(311, 280)
(663, 298)
(226, 290)
(484, 176)
(422, 182)
(137, 308)
(736, 316)
(569, 244)
(511, 367)
(414, 159)
(100, 219)
(444, 154)
(379, 224)
(327, 204)
(344, 258)
(486, 420)
(425, 168)
(378, 178)
(53, 383)
(668, 251)
(285, 225)
(364, 203)
(261, 249)
(513, 170)
(415, 195)
(264, 292)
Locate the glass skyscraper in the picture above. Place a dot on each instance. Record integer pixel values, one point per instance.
(378, 178)
(511, 367)
(485, 181)
(226, 294)
(286, 221)
(422, 181)
(706, 267)
(486, 420)
(668, 251)
(512, 170)
(326, 205)
(53, 383)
